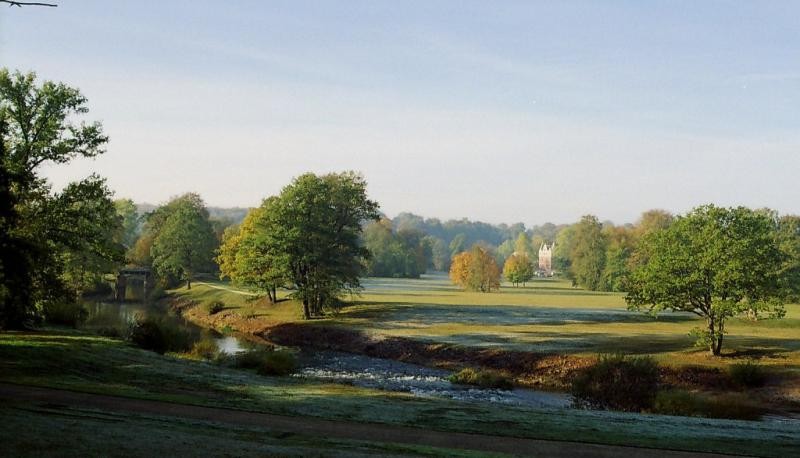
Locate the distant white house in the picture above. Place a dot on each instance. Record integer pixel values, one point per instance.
(546, 260)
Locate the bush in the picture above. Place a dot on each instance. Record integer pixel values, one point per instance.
(214, 307)
(481, 378)
(617, 382)
(159, 335)
(748, 375)
(736, 406)
(678, 402)
(730, 405)
(64, 313)
(205, 348)
(267, 361)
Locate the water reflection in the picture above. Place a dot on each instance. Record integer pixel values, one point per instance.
(335, 367)
(113, 318)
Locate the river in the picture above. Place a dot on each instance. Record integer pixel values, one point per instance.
(351, 369)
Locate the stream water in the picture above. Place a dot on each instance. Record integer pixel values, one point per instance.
(335, 367)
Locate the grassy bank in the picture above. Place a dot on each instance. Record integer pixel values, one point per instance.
(545, 317)
(100, 365)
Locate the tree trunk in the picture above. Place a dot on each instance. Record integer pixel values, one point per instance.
(306, 313)
(188, 283)
(712, 348)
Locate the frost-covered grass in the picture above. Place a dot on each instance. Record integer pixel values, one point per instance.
(552, 316)
(67, 431)
(545, 316)
(68, 359)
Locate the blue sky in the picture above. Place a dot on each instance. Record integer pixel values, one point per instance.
(499, 111)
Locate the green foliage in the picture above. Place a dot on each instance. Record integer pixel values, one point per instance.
(748, 374)
(66, 313)
(439, 254)
(184, 241)
(214, 307)
(518, 269)
(205, 348)
(732, 406)
(714, 262)
(246, 258)
(523, 245)
(159, 334)
(588, 254)
(401, 254)
(267, 361)
(788, 240)
(311, 232)
(129, 230)
(678, 402)
(617, 382)
(52, 245)
(482, 378)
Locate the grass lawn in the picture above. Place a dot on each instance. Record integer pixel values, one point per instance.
(66, 431)
(545, 316)
(81, 362)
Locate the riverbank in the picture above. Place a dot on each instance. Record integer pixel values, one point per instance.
(282, 324)
(90, 364)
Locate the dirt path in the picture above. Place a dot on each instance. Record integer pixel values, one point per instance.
(223, 288)
(316, 427)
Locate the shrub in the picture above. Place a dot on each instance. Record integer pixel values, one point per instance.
(732, 405)
(277, 362)
(481, 378)
(205, 348)
(267, 361)
(748, 375)
(64, 313)
(214, 307)
(678, 402)
(159, 335)
(617, 382)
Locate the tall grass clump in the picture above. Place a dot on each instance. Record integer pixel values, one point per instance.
(748, 375)
(160, 335)
(482, 378)
(214, 307)
(617, 382)
(267, 361)
(71, 314)
(205, 348)
(735, 406)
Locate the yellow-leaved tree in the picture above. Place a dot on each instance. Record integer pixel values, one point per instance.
(475, 270)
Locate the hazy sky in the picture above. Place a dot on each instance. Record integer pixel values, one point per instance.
(499, 111)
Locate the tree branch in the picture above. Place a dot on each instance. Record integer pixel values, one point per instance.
(21, 4)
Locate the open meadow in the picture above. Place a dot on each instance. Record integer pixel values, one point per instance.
(545, 316)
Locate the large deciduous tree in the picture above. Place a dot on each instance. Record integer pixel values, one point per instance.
(588, 253)
(518, 268)
(47, 238)
(714, 262)
(246, 257)
(475, 270)
(313, 230)
(184, 242)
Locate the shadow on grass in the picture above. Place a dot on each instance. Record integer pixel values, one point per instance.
(398, 313)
